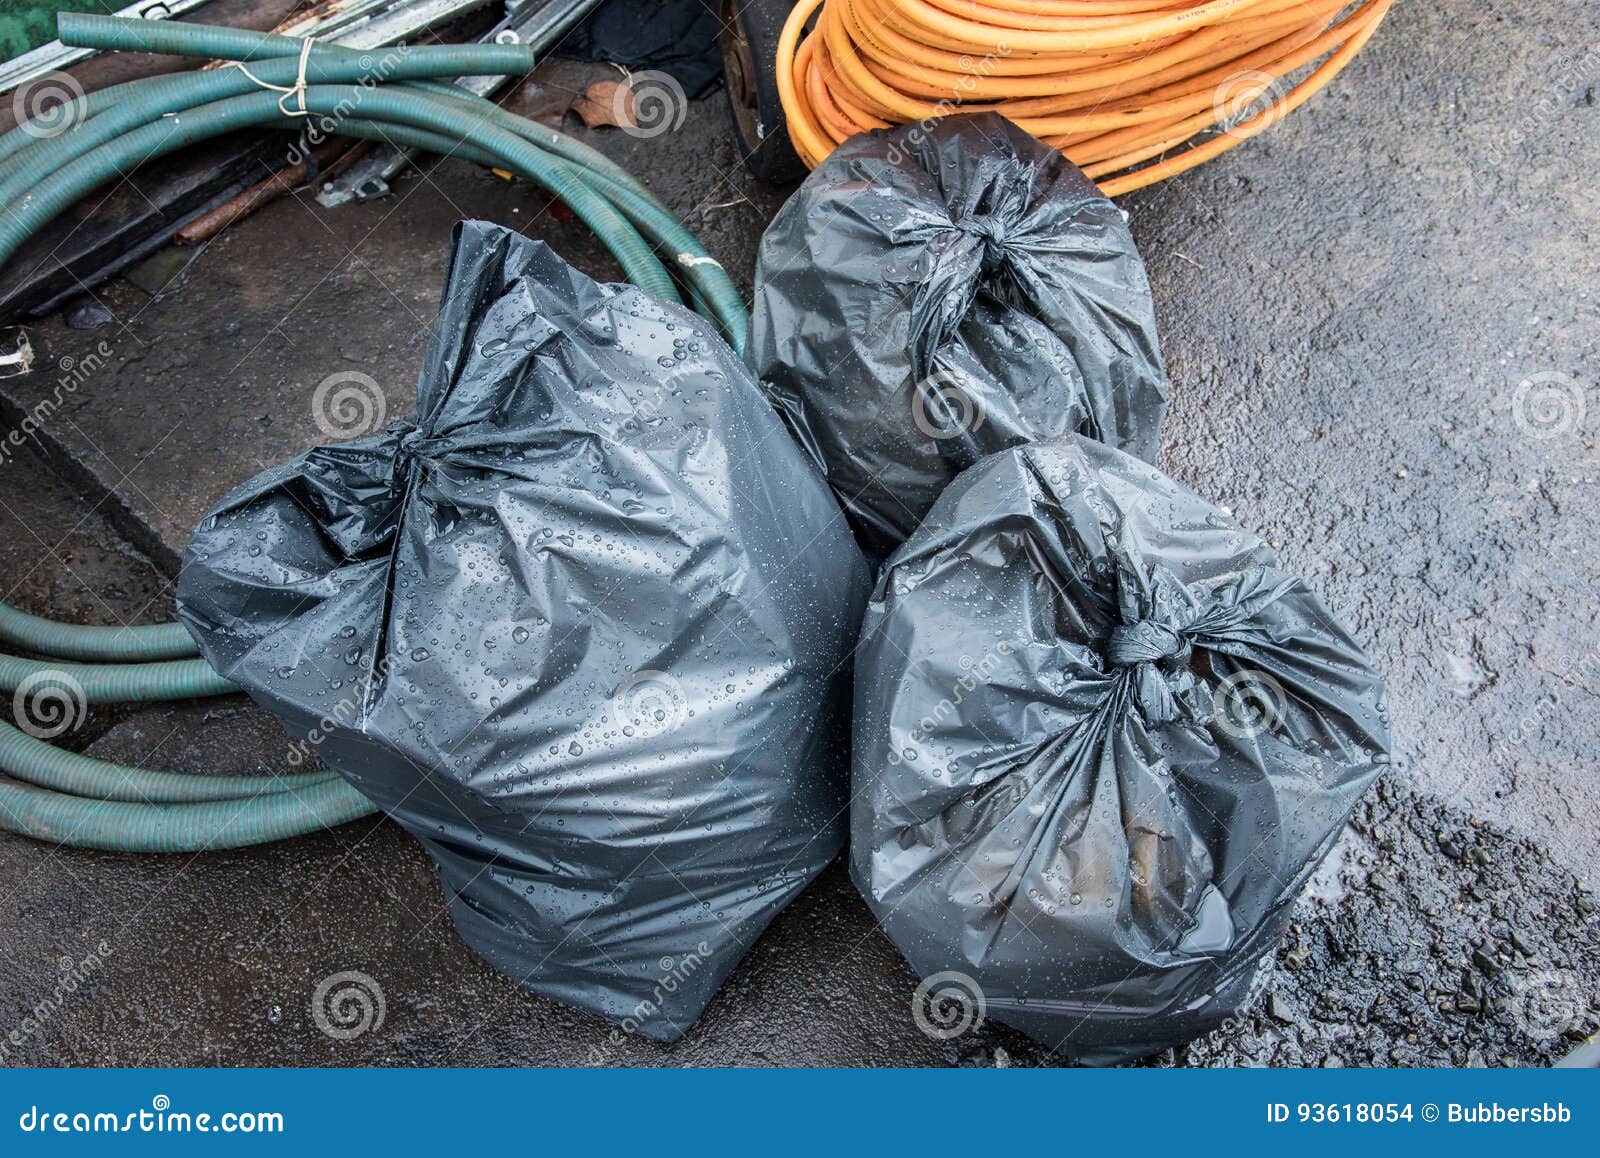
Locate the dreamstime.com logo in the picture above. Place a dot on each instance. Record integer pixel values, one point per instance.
(1248, 703)
(650, 702)
(159, 1118)
(649, 104)
(48, 704)
(346, 712)
(1548, 404)
(1260, 981)
(972, 70)
(73, 974)
(346, 1005)
(48, 105)
(1547, 707)
(73, 374)
(1544, 1001)
(942, 409)
(320, 126)
(675, 973)
(974, 673)
(1243, 96)
(348, 404)
(1535, 110)
(948, 1005)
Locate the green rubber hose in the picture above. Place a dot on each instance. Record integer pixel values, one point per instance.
(26, 758)
(381, 94)
(108, 644)
(708, 283)
(117, 826)
(121, 683)
(29, 157)
(169, 134)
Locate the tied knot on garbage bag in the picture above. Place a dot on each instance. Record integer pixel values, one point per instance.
(417, 448)
(1101, 741)
(578, 625)
(1148, 641)
(960, 265)
(990, 231)
(1152, 657)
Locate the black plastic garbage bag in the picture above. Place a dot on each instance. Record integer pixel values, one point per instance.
(932, 294)
(579, 624)
(1101, 742)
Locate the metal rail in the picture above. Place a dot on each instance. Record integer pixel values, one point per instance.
(541, 28)
(53, 57)
(356, 24)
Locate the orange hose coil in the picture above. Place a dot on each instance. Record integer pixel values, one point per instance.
(1111, 83)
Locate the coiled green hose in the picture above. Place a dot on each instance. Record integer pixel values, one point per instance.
(385, 94)
(30, 759)
(120, 827)
(108, 644)
(120, 683)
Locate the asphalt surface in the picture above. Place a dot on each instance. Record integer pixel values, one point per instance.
(1381, 326)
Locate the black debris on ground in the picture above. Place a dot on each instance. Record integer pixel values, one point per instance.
(1427, 938)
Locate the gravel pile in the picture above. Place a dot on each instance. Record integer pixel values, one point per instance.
(1428, 938)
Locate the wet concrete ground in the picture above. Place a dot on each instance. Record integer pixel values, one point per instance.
(1380, 322)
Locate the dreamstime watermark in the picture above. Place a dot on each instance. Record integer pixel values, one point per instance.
(73, 374)
(349, 404)
(1529, 121)
(341, 715)
(1587, 668)
(675, 972)
(1248, 703)
(71, 974)
(49, 703)
(974, 672)
(1543, 1002)
(941, 408)
(649, 703)
(1239, 1021)
(948, 1005)
(648, 104)
(972, 71)
(346, 711)
(1242, 97)
(321, 126)
(48, 106)
(1548, 404)
(160, 1118)
(647, 406)
(347, 1005)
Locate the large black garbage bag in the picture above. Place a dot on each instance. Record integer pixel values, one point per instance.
(579, 624)
(1101, 741)
(932, 294)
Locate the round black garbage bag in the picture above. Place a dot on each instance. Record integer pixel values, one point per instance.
(1101, 741)
(581, 624)
(934, 293)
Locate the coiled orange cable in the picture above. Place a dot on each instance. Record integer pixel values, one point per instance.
(1113, 84)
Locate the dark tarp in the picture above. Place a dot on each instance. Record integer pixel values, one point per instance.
(677, 37)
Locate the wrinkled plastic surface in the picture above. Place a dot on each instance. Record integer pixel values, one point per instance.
(1101, 741)
(580, 624)
(932, 294)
